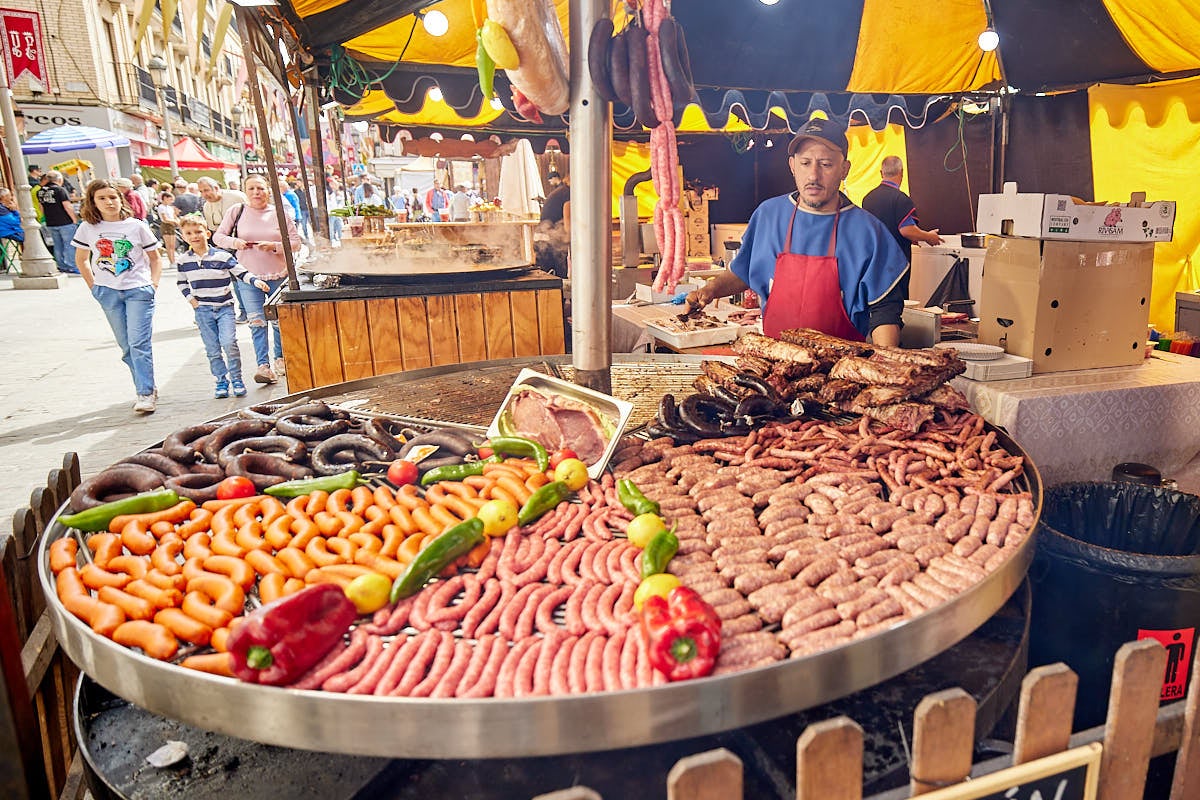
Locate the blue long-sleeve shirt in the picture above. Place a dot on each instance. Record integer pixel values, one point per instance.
(10, 224)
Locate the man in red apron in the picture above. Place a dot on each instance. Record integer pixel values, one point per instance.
(817, 260)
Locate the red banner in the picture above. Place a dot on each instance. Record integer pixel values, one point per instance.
(22, 32)
(248, 139)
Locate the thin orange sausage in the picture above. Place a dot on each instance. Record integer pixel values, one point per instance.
(316, 502)
(279, 532)
(365, 541)
(202, 608)
(176, 513)
(137, 539)
(478, 553)
(494, 469)
(327, 523)
(163, 557)
(426, 522)
(297, 506)
(133, 566)
(160, 598)
(250, 536)
(220, 636)
(350, 522)
(341, 574)
(163, 581)
(412, 545)
(362, 497)
(198, 522)
(344, 548)
(514, 486)
(459, 507)
(104, 618)
(270, 588)
(198, 545)
(536, 481)
(161, 528)
(226, 594)
(293, 585)
(318, 551)
(265, 563)
(500, 493)
(444, 517)
(475, 503)
(224, 543)
(244, 515)
(212, 663)
(407, 497)
(339, 500)
(462, 490)
(62, 553)
(153, 639)
(305, 530)
(134, 607)
(94, 577)
(184, 626)
(375, 526)
(223, 519)
(374, 512)
(383, 497)
(477, 483)
(236, 569)
(217, 505)
(296, 561)
(436, 493)
(402, 518)
(271, 509)
(393, 537)
(377, 563)
(104, 547)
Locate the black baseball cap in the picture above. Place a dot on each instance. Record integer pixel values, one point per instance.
(826, 130)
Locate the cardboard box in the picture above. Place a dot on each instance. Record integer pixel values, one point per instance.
(1067, 305)
(1060, 216)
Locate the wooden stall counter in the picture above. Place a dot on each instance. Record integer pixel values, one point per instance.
(351, 332)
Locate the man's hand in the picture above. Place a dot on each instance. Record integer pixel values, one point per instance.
(932, 237)
(699, 298)
(195, 303)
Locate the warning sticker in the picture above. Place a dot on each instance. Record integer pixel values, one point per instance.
(1179, 659)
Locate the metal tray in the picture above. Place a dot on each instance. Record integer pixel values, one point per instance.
(495, 728)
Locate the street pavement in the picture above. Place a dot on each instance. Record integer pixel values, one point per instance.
(65, 388)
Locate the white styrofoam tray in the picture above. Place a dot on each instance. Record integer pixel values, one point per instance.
(1007, 367)
(722, 334)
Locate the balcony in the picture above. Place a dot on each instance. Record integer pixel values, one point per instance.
(136, 90)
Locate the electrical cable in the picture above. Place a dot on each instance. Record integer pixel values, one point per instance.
(349, 76)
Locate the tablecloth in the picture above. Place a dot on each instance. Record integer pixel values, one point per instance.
(1078, 425)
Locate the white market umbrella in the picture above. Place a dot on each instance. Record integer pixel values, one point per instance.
(520, 182)
(66, 138)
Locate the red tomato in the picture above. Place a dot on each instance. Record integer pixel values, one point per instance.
(235, 486)
(486, 452)
(402, 473)
(559, 456)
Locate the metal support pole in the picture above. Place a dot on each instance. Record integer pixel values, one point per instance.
(304, 182)
(321, 217)
(335, 128)
(591, 209)
(162, 93)
(38, 270)
(261, 113)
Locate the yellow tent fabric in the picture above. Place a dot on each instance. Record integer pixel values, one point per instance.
(1141, 136)
(868, 148)
(629, 158)
(899, 50)
(306, 8)
(1165, 47)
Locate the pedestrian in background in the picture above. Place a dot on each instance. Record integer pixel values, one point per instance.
(334, 199)
(168, 221)
(118, 257)
(217, 202)
(187, 201)
(206, 274)
(302, 208)
(61, 220)
(252, 232)
(132, 198)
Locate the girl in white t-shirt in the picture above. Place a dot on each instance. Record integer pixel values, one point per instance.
(118, 257)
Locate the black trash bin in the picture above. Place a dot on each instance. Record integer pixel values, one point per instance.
(1115, 562)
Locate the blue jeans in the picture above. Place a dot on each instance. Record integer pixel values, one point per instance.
(239, 303)
(219, 334)
(335, 229)
(64, 251)
(253, 300)
(130, 314)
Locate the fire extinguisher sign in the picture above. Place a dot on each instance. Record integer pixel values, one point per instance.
(1179, 659)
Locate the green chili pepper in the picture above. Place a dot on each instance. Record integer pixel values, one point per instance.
(632, 498)
(542, 500)
(456, 472)
(325, 483)
(485, 66)
(97, 518)
(517, 446)
(658, 553)
(450, 545)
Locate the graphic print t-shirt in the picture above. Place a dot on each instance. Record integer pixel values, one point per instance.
(117, 251)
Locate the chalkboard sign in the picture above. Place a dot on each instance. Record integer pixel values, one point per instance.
(1070, 775)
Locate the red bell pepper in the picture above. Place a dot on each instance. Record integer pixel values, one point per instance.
(279, 642)
(684, 634)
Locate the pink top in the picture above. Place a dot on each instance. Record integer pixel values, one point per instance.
(257, 226)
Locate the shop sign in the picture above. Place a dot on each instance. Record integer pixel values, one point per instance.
(247, 138)
(22, 31)
(39, 117)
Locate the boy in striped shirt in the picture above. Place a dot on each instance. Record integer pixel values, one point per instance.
(204, 279)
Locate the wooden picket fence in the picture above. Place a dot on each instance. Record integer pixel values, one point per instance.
(39, 757)
(829, 755)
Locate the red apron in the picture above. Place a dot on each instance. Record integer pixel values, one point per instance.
(806, 292)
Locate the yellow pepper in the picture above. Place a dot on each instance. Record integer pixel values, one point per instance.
(499, 46)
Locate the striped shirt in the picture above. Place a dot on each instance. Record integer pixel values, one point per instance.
(206, 277)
